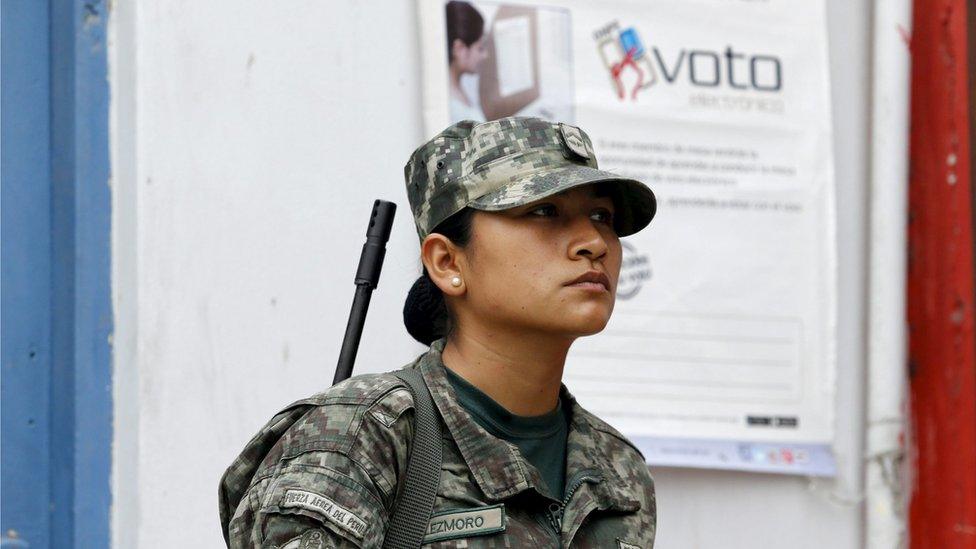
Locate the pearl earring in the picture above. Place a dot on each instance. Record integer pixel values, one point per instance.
(456, 281)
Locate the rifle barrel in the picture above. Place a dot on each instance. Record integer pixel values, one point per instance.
(367, 279)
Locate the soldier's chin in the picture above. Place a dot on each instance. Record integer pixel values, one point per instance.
(590, 324)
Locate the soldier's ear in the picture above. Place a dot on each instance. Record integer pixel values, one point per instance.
(444, 262)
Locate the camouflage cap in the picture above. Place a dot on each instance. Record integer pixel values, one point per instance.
(508, 162)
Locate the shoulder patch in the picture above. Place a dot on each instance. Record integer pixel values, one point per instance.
(621, 544)
(391, 406)
(382, 417)
(325, 507)
(311, 539)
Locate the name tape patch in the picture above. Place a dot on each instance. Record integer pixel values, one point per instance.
(621, 544)
(332, 511)
(464, 523)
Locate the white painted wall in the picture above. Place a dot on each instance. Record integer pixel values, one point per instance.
(249, 139)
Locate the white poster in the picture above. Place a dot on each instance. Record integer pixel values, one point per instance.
(720, 352)
(514, 52)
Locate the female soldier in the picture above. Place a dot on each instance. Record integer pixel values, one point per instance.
(520, 247)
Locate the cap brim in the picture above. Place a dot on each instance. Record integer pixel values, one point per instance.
(635, 204)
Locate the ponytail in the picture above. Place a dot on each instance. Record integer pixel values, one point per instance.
(425, 314)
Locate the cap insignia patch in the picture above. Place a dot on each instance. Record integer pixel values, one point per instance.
(573, 139)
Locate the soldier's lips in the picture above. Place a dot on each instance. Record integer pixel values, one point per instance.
(591, 281)
(590, 287)
(595, 287)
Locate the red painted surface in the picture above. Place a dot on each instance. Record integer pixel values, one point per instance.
(941, 291)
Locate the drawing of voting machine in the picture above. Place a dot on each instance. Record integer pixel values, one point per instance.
(509, 76)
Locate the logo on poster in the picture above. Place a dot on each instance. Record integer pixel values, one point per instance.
(634, 68)
(635, 270)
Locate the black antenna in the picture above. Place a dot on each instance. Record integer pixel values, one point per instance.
(367, 279)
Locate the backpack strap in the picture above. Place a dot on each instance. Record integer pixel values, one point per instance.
(415, 501)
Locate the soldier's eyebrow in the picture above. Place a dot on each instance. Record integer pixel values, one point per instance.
(589, 190)
(523, 208)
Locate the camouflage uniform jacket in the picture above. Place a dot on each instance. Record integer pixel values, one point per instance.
(324, 473)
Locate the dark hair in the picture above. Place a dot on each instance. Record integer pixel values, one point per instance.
(425, 314)
(464, 23)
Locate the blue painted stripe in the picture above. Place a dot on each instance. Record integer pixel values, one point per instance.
(56, 273)
(81, 231)
(25, 283)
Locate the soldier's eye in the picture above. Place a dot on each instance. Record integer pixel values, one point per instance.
(602, 215)
(545, 210)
